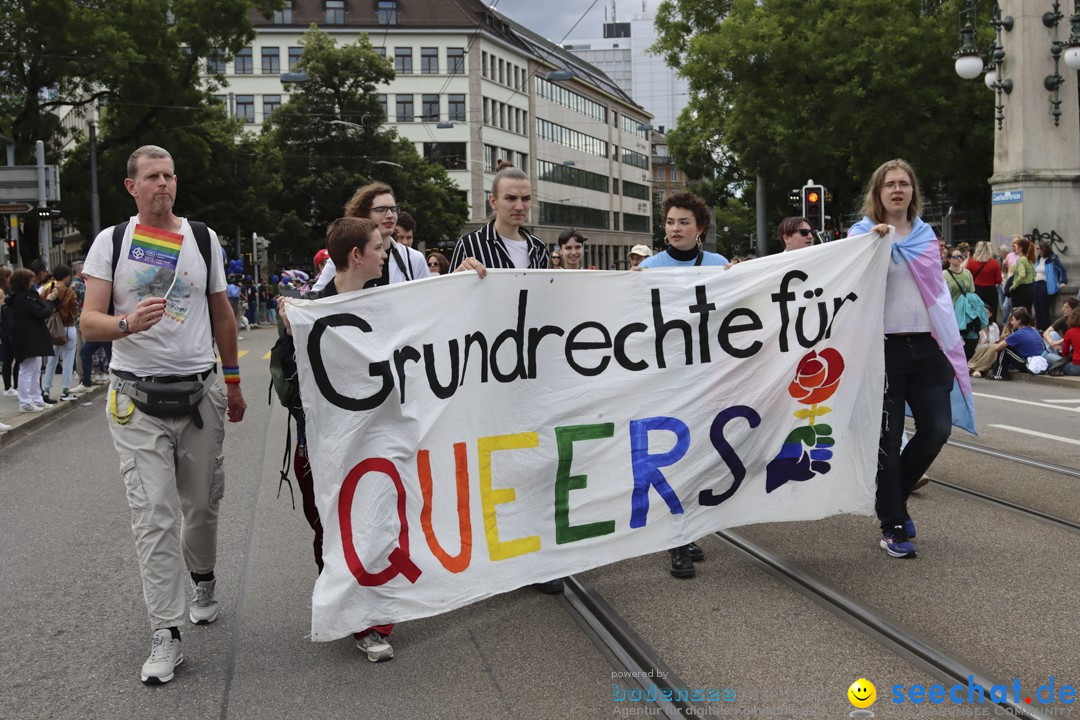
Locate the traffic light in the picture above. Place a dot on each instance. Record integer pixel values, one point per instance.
(813, 205)
(795, 198)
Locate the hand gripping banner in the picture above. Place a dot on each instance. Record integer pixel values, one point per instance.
(470, 436)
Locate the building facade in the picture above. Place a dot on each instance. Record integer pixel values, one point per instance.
(472, 87)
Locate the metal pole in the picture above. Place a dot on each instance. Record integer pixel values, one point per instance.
(13, 220)
(44, 226)
(95, 205)
(762, 241)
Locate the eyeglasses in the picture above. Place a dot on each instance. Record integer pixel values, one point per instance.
(385, 209)
(956, 257)
(805, 232)
(902, 184)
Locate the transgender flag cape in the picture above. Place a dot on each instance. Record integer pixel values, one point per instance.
(920, 251)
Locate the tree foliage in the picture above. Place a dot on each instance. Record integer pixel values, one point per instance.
(827, 89)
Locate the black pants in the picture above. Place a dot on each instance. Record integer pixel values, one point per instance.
(989, 295)
(1042, 306)
(916, 373)
(1008, 361)
(1023, 296)
(8, 362)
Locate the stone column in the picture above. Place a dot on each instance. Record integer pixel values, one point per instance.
(1036, 181)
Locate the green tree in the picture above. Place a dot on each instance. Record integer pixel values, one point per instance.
(798, 89)
(330, 140)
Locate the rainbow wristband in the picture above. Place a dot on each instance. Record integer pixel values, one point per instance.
(231, 374)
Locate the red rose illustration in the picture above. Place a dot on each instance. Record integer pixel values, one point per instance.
(817, 376)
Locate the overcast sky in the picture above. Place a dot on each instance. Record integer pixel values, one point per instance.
(553, 19)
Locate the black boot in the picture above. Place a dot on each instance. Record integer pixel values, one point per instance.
(551, 587)
(681, 564)
(696, 553)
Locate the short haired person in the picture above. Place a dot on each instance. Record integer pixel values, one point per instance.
(355, 245)
(571, 248)
(686, 220)
(437, 263)
(639, 253)
(375, 201)
(796, 233)
(170, 310)
(503, 242)
(405, 229)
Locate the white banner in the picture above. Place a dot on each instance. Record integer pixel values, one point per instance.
(471, 436)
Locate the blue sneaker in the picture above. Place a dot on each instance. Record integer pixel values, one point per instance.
(909, 528)
(896, 543)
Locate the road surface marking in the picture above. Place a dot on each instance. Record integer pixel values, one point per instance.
(1037, 434)
(1026, 402)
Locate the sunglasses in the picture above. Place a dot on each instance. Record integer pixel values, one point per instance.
(433, 264)
(805, 232)
(956, 257)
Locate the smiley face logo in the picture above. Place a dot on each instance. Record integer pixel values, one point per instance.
(862, 693)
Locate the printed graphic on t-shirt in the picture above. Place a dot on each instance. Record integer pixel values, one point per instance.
(160, 250)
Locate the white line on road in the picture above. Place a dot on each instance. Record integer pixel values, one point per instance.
(1026, 402)
(1076, 400)
(1037, 434)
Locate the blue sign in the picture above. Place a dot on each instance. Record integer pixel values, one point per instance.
(1003, 197)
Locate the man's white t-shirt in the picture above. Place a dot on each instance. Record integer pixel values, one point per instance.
(181, 343)
(518, 249)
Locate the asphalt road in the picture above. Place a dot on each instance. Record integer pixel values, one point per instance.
(993, 587)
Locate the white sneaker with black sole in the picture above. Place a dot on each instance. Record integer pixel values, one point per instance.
(204, 607)
(165, 655)
(376, 645)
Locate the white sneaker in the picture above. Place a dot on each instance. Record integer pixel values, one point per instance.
(4, 428)
(80, 389)
(11, 392)
(376, 646)
(204, 608)
(31, 407)
(165, 655)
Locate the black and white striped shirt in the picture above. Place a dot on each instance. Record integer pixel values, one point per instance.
(486, 246)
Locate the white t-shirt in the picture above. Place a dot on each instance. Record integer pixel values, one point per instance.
(181, 343)
(518, 249)
(905, 311)
(411, 258)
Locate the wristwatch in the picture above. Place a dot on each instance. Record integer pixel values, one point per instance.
(124, 325)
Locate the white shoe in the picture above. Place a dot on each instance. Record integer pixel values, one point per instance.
(4, 428)
(11, 392)
(165, 655)
(204, 608)
(31, 407)
(376, 645)
(80, 389)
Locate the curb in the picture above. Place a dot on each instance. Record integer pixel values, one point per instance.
(1056, 381)
(41, 419)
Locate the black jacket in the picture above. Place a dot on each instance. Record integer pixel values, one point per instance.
(31, 337)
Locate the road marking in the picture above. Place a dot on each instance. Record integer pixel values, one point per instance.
(1077, 400)
(1037, 434)
(267, 355)
(1026, 402)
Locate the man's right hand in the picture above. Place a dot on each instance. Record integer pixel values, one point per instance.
(146, 315)
(470, 263)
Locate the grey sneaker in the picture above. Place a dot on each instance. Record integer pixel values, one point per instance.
(376, 646)
(165, 655)
(204, 608)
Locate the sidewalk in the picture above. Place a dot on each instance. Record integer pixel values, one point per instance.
(22, 423)
(1065, 381)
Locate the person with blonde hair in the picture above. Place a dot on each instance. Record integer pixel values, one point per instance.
(986, 273)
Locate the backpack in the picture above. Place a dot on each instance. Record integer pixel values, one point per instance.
(285, 382)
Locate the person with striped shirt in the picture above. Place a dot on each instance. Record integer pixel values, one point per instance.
(503, 242)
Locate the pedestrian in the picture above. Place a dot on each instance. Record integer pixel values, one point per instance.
(1022, 290)
(556, 260)
(30, 335)
(405, 230)
(986, 274)
(967, 306)
(41, 273)
(1050, 275)
(919, 326)
(437, 263)
(1055, 334)
(796, 233)
(637, 254)
(67, 307)
(7, 342)
(571, 248)
(1070, 344)
(233, 292)
(163, 304)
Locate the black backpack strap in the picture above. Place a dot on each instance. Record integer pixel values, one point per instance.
(202, 238)
(400, 263)
(117, 243)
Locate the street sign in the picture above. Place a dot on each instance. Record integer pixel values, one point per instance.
(14, 208)
(18, 183)
(1004, 197)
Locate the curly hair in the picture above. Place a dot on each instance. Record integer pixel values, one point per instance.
(359, 204)
(693, 203)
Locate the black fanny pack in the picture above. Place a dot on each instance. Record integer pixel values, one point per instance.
(175, 396)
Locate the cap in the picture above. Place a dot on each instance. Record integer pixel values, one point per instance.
(322, 256)
(642, 250)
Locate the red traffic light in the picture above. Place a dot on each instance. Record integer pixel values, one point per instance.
(812, 197)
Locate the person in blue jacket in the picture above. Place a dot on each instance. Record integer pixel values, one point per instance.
(1050, 275)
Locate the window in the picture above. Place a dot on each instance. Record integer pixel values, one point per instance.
(634, 127)
(635, 223)
(403, 60)
(450, 155)
(484, 64)
(404, 108)
(335, 12)
(381, 100)
(569, 98)
(429, 108)
(214, 64)
(547, 130)
(455, 61)
(245, 108)
(295, 53)
(380, 51)
(502, 72)
(243, 62)
(636, 159)
(271, 104)
(283, 16)
(574, 216)
(572, 176)
(271, 61)
(224, 101)
(386, 12)
(635, 190)
(522, 161)
(455, 109)
(490, 158)
(429, 61)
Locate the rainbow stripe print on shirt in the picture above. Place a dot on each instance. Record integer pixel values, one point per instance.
(153, 246)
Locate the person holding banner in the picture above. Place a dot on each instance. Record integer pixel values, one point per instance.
(923, 351)
(686, 220)
(355, 247)
(796, 233)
